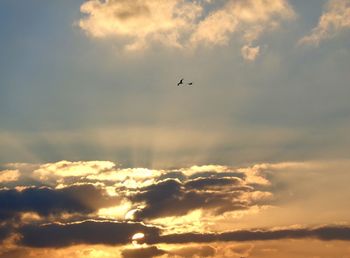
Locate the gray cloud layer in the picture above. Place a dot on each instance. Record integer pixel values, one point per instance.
(46, 201)
(116, 233)
(322, 233)
(87, 232)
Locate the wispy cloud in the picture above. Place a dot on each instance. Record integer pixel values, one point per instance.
(335, 18)
(250, 53)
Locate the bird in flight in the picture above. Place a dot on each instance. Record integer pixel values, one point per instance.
(180, 82)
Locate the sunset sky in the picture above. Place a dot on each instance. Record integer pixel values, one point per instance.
(103, 155)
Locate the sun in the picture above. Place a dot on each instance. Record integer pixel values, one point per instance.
(136, 237)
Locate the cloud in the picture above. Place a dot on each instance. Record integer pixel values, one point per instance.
(72, 169)
(9, 175)
(173, 198)
(335, 18)
(249, 18)
(182, 24)
(242, 250)
(82, 199)
(325, 233)
(86, 232)
(99, 188)
(250, 53)
(14, 253)
(193, 251)
(210, 183)
(144, 252)
(184, 252)
(5, 231)
(196, 204)
(118, 233)
(138, 22)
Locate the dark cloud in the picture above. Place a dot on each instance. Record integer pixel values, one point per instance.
(202, 183)
(172, 198)
(86, 232)
(207, 174)
(147, 252)
(46, 201)
(116, 233)
(173, 175)
(214, 174)
(5, 231)
(321, 233)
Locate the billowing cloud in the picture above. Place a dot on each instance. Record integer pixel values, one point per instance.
(171, 197)
(138, 22)
(72, 169)
(180, 23)
(82, 199)
(183, 212)
(335, 19)
(9, 175)
(249, 18)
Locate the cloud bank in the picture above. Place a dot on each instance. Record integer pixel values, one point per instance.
(98, 203)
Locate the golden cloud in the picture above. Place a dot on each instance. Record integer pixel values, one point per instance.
(9, 175)
(72, 169)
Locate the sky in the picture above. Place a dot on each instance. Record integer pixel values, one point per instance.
(102, 154)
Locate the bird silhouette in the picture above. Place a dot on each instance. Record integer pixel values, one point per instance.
(190, 83)
(180, 82)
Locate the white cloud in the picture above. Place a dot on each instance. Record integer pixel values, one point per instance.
(139, 22)
(182, 24)
(249, 18)
(72, 169)
(335, 18)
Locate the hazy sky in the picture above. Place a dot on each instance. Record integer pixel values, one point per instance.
(92, 120)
